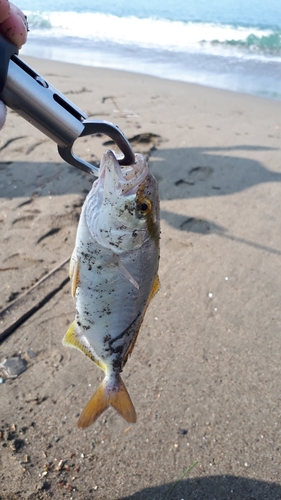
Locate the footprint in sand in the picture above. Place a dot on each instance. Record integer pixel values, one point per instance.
(196, 174)
(194, 225)
(10, 141)
(52, 231)
(21, 261)
(143, 143)
(24, 222)
(200, 173)
(26, 202)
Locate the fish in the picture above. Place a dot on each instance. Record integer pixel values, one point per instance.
(114, 276)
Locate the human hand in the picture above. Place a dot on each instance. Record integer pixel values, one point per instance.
(13, 25)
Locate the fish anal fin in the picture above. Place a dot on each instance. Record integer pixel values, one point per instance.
(75, 278)
(118, 397)
(71, 340)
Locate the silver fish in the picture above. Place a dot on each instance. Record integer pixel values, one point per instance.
(114, 273)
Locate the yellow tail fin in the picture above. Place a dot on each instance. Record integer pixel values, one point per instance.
(105, 397)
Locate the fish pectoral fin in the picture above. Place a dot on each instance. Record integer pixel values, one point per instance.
(75, 277)
(105, 397)
(126, 274)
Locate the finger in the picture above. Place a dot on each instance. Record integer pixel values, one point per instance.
(19, 12)
(15, 27)
(4, 10)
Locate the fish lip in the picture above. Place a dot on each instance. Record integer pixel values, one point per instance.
(125, 180)
(109, 157)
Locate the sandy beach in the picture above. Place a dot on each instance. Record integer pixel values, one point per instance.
(205, 373)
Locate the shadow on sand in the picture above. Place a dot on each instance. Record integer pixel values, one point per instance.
(204, 172)
(211, 488)
(189, 173)
(181, 172)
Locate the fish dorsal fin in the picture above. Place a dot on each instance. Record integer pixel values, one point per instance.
(74, 269)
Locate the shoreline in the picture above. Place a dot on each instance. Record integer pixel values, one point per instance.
(37, 63)
(252, 77)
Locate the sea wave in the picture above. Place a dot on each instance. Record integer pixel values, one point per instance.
(38, 20)
(154, 33)
(270, 43)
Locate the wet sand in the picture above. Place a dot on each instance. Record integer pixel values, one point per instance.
(205, 373)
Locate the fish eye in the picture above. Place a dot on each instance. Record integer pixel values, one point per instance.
(144, 207)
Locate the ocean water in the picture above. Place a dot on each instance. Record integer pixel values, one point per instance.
(229, 44)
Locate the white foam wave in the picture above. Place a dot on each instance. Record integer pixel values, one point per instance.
(146, 33)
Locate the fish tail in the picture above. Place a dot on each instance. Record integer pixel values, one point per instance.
(121, 401)
(108, 394)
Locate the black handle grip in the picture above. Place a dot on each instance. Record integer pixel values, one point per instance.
(7, 50)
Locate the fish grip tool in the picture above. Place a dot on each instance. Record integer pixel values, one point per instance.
(37, 101)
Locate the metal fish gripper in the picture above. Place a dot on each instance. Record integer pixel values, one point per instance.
(37, 101)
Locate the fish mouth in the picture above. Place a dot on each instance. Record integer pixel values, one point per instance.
(123, 180)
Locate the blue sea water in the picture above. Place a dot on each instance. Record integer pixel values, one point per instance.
(230, 44)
